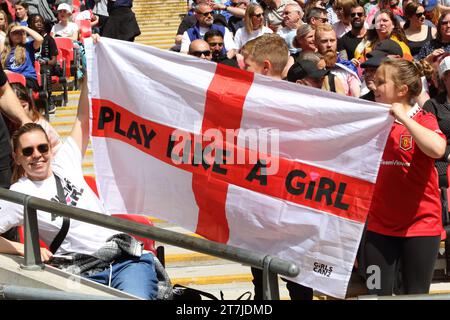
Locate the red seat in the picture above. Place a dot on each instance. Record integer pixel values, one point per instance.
(14, 77)
(70, 56)
(85, 29)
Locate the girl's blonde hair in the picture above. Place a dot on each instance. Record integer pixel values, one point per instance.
(20, 51)
(404, 72)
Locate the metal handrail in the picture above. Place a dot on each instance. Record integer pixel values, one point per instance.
(272, 266)
(13, 292)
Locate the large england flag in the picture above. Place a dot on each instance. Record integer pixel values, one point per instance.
(158, 119)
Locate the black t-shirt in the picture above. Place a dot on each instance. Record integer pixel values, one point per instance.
(48, 48)
(348, 42)
(441, 109)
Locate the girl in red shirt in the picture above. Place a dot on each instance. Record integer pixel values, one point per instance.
(404, 222)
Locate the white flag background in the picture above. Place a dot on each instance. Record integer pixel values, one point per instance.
(311, 212)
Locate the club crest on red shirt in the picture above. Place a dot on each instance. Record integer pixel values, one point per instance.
(405, 142)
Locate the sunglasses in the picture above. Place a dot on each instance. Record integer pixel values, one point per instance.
(200, 53)
(205, 14)
(354, 14)
(259, 15)
(420, 14)
(42, 148)
(213, 44)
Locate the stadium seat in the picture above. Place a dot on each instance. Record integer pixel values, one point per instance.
(70, 56)
(85, 29)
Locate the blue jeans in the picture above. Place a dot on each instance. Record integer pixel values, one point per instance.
(136, 276)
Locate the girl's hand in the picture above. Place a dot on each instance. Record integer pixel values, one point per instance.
(398, 111)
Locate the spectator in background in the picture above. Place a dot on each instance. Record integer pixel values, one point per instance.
(101, 10)
(215, 42)
(205, 22)
(65, 27)
(440, 107)
(18, 54)
(433, 49)
(21, 10)
(417, 33)
(273, 13)
(3, 28)
(385, 26)
(292, 20)
(349, 41)
(253, 26)
(330, 82)
(35, 116)
(306, 72)
(305, 40)
(200, 49)
(121, 23)
(342, 9)
(235, 22)
(344, 70)
(316, 17)
(399, 231)
(46, 55)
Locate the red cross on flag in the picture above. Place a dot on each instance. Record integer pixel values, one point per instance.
(238, 158)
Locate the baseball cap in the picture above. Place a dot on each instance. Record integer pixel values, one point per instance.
(429, 4)
(388, 46)
(444, 66)
(375, 58)
(65, 6)
(303, 69)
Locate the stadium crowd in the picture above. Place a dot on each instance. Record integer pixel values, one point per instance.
(388, 51)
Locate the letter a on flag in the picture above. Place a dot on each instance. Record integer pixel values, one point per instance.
(238, 158)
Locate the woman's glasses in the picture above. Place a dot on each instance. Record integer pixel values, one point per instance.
(420, 14)
(259, 15)
(354, 14)
(42, 148)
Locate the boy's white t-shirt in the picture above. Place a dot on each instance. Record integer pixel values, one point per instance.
(65, 31)
(82, 237)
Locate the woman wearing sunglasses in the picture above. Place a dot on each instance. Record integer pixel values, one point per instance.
(416, 31)
(253, 26)
(59, 178)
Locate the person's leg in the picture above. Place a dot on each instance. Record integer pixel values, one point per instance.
(419, 256)
(382, 253)
(257, 283)
(137, 277)
(298, 291)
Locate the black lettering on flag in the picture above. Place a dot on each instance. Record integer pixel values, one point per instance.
(106, 115)
(338, 203)
(300, 187)
(254, 173)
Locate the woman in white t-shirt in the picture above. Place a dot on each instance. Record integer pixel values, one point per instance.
(253, 26)
(37, 172)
